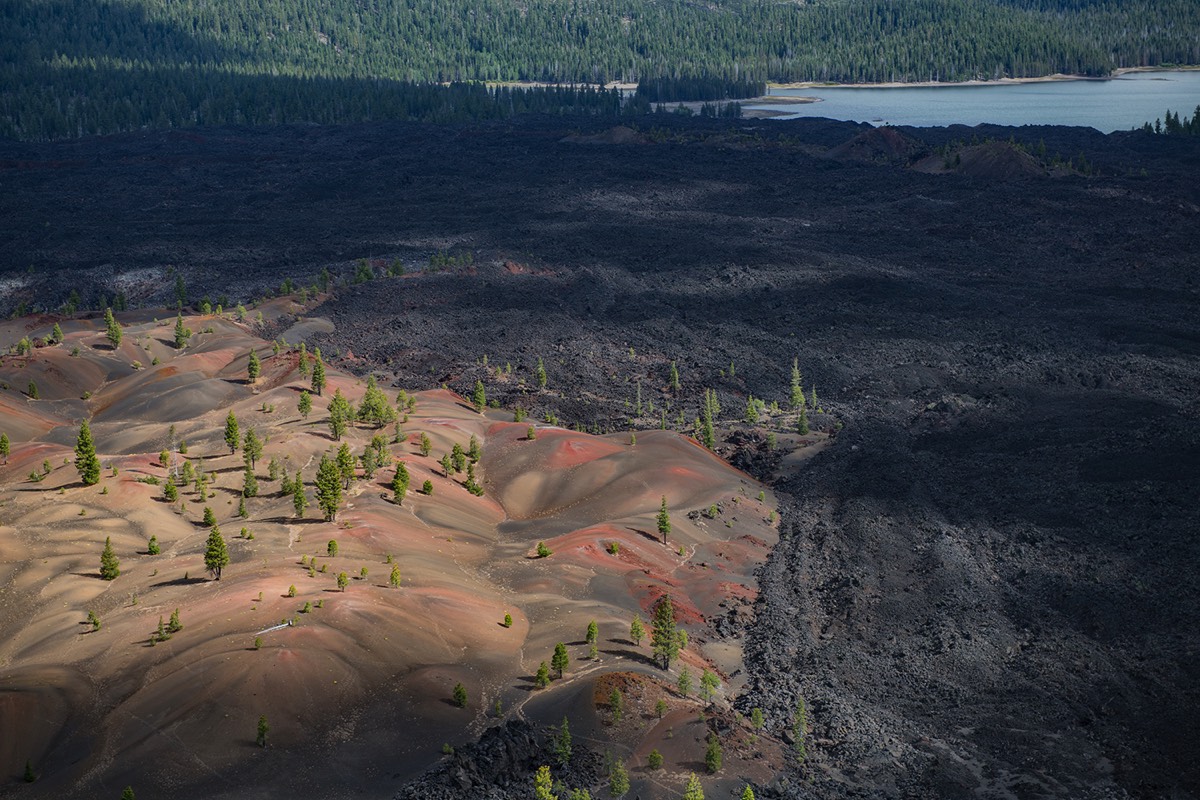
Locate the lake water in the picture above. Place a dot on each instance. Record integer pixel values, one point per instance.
(1106, 105)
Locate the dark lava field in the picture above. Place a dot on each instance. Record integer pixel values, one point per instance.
(988, 582)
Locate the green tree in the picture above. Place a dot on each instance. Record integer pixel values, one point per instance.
(375, 408)
(152, 547)
(340, 413)
(751, 416)
(616, 704)
(170, 490)
(543, 551)
(593, 632)
(747, 793)
(345, 465)
(253, 367)
(181, 332)
(673, 378)
(331, 548)
(112, 329)
(618, 778)
(458, 457)
(305, 404)
(5, 447)
(802, 421)
(637, 630)
(508, 620)
(660, 708)
(32, 391)
(128, 794)
(800, 730)
(460, 695)
(664, 634)
(796, 397)
(318, 373)
(216, 555)
(693, 790)
(174, 625)
(299, 499)
(712, 754)
(427, 488)
(232, 435)
(685, 681)
(542, 784)
(56, 335)
(560, 660)
(249, 483)
(709, 414)
(447, 465)
(664, 520)
(30, 775)
(85, 456)
(263, 729)
(343, 580)
(540, 374)
(562, 744)
(474, 452)
(209, 518)
(479, 396)
(426, 446)
(110, 565)
(400, 483)
(329, 488)
(708, 686)
(252, 448)
(394, 578)
(756, 718)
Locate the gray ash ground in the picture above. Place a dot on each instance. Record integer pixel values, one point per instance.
(988, 581)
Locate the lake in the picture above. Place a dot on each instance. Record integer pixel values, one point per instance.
(1117, 103)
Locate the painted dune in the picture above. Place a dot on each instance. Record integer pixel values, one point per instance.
(357, 682)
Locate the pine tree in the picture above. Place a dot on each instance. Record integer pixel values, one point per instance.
(305, 404)
(56, 335)
(252, 448)
(664, 634)
(170, 490)
(249, 484)
(345, 465)
(654, 759)
(616, 704)
(232, 435)
(318, 373)
(542, 784)
(684, 684)
(560, 660)
(216, 555)
(343, 580)
(593, 632)
(636, 631)
(542, 679)
(426, 445)
(712, 755)
(747, 793)
(329, 488)
(152, 547)
(85, 456)
(112, 329)
(474, 453)
(802, 421)
(110, 565)
(400, 483)
(375, 408)
(618, 779)
(394, 578)
(562, 744)
(540, 374)
(708, 414)
(751, 410)
(128, 794)
(181, 332)
(263, 729)
(664, 520)
(31, 776)
(460, 695)
(340, 413)
(673, 379)
(174, 625)
(5, 447)
(796, 398)
(299, 499)
(693, 790)
(800, 730)
(708, 686)
(447, 465)
(253, 367)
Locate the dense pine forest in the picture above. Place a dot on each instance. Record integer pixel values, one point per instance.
(73, 67)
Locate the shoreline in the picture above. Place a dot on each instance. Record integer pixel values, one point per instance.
(1057, 77)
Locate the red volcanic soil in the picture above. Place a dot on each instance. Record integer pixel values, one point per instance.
(367, 672)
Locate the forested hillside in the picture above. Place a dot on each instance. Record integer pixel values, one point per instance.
(81, 66)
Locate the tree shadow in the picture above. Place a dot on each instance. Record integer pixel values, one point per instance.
(645, 534)
(632, 655)
(188, 581)
(95, 575)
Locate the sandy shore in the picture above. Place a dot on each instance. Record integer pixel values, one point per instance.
(1055, 78)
